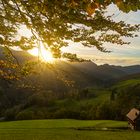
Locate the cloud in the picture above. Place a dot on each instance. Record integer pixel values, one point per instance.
(122, 62)
(120, 55)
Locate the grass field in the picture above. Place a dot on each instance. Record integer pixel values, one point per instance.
(66, 130)
(127, 83)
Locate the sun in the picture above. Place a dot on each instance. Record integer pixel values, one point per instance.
(43, 53)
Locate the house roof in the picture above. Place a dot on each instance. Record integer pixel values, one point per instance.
(133, 114)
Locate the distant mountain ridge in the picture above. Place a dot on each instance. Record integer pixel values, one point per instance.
(107, 73)
(83, 74)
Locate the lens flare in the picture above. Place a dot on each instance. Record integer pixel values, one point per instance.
(43, 53)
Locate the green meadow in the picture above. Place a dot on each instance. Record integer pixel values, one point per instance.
(66, 129)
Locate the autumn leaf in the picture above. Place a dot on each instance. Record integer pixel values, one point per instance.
(90, 9)
(119, 2)
(73, 3)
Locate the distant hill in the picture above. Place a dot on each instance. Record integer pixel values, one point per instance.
(127, 81)
(71, 90)
(64, 75)
(128, 69)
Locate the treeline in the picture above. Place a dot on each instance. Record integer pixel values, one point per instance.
(75, 104)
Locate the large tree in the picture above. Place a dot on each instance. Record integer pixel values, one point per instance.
(55, 22)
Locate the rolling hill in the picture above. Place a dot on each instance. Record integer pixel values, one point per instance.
(64, 75)
(71, 90)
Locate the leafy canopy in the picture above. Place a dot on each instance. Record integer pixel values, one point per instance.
(54, 22)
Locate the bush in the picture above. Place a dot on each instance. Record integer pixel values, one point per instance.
(37, 99)
(29, 114)
(65, 113)
(11, 113)
(25, 115)
(105, 111)
(84, 115)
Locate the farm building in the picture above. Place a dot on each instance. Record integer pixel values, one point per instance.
(133, 118)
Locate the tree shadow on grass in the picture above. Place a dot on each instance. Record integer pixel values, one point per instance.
(102, 128)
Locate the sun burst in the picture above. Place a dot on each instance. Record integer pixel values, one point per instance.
(44, 54)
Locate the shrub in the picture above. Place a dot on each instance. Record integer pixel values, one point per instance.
(11, 113)
(31, 113)
(105, 111)
(37, 99)
(66, 113)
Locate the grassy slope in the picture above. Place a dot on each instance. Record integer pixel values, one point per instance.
(63, 130)
(127, 83)
(101, 95)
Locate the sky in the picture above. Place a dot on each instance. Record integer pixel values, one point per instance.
(120, 55)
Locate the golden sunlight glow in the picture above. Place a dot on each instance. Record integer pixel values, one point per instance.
(43, 53)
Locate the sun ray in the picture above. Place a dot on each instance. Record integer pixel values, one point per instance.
(44, 54)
